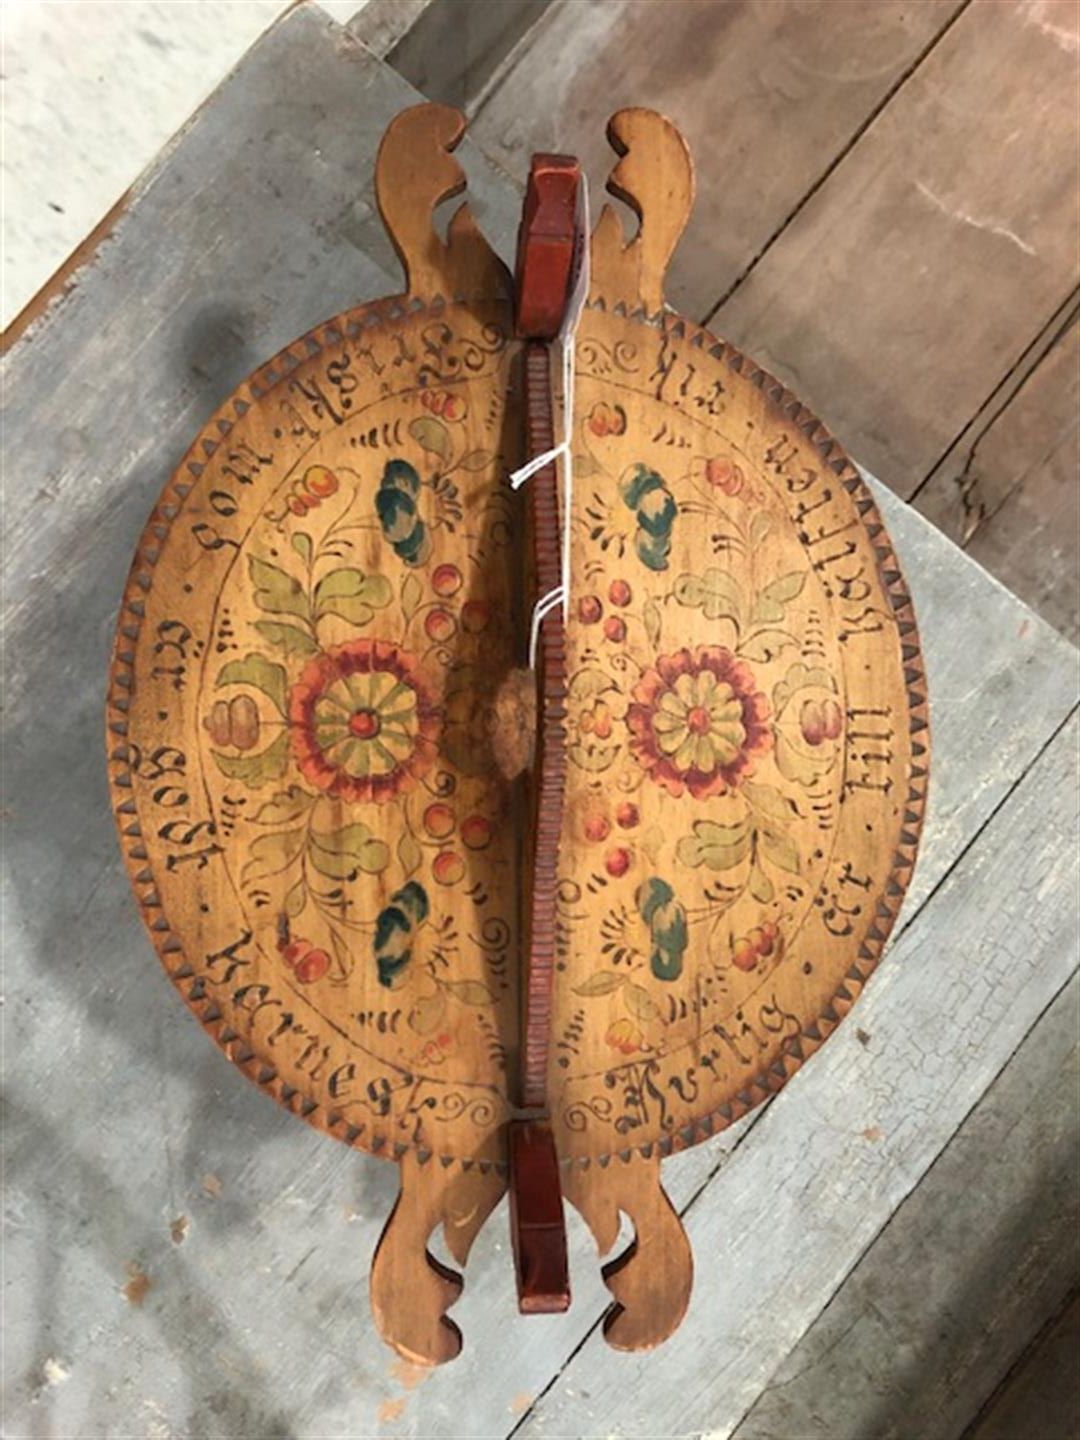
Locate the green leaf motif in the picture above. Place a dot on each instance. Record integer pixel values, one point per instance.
(772, 599)
(410, 853)
(651, 617)
(352, 595)
(589, 684)
(768, 803)
(287, 638)
(256, 770)
(257, 671)
(765, 645)
(640, 1003)
(339, 854)
(780, 850)
(593, 758)
(431, 435)
(284, 808)
(760, 886)
(427, 1012)
(477, 460)
(271, 854)
(275, 590)
(296, 899)
(601, 982)
(412, 592)
(793, 764)
(716, 593)
(469, 992)
(301, 543)
(719, 847)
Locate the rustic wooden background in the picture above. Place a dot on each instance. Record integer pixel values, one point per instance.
(887, 218)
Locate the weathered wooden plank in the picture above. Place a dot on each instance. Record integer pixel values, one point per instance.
(1041, 1400)
(381, 24)
(894, 301)
(123, 1120)
(767, 95)
(1013, 499)
(851, 1135)
(949, 1294)
(452, 51)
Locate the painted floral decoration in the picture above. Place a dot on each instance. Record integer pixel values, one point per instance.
(698, 721)
(361, 723)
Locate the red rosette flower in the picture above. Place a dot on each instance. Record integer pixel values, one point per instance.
(361, 723)
(698, 722)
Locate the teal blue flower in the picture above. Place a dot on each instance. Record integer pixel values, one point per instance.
(398, 509)
(394, 928)
(666, 920)
(645, 492)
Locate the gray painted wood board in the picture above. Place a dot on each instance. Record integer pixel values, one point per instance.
(955, 1286)
(132, 1144)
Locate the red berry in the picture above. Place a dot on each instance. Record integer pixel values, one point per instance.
(745, 956)
(320, 481)
(589, 609)
(812, 722)
(312, 967)
(294, 951)
(448, 868)
(619, 592)
(617, 862)
(476, 832)
(439, 821)
(627, 815)
(597, 828)
(833, 718)
(440, 624)
(446, 580)
(615, 628)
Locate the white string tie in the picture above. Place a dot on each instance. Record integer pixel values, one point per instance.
(562, 452)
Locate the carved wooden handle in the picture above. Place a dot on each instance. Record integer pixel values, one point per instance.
(544, 265)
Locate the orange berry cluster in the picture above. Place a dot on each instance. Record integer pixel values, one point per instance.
(607, 420)
(445, 403)
(234, 722)
(316, 484)
(759, 944)
(306, 963)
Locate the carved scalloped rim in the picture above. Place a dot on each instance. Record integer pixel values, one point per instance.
(790, 409)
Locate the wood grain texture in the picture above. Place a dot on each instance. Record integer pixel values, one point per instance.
(1011, 497)
(946, 1298)
(453, 49)
(768, 96)
(1042, 1396)
(122, 1122)
(383, 24)
(948, 221)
